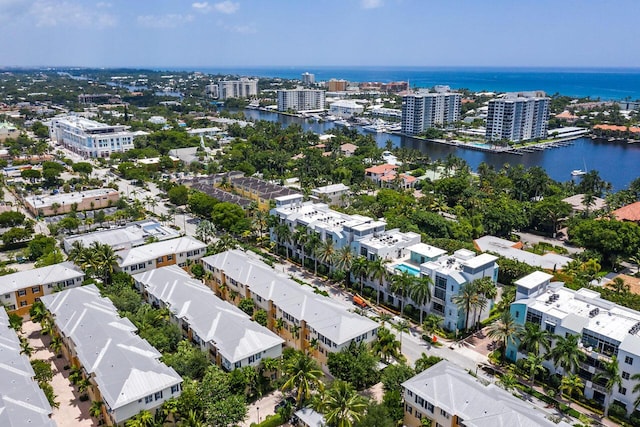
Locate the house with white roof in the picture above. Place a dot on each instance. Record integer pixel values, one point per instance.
(124, 370)
(224, 332)
(22, 401)
(160, 254)
(514, 251)
(333, 194)
(606, 330)
(448, 396)
(305, 320)
(18, 291)
(126, 237)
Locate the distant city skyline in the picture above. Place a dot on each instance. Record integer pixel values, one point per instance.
(245, 33)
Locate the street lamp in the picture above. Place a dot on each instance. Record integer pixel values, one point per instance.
(258, 408)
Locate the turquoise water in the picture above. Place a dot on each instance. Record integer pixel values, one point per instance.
(604, 83)
(408, 269)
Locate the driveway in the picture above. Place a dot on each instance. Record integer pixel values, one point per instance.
(262, 407)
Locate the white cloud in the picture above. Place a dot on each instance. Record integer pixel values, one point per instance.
(371, 4)
(171, 20)
(201, 6)
(227, 7)
(51, 13)
(240, 28)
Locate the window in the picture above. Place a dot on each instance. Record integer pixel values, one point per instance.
(628, 360)
(35, 289)
(622, 390)
(12, 307)
(430, 407)
(409, 409)
(158, 395)
(22, 293)
(237, 365)
(444, 413)
(148, 399)
(169, 257)
(7, 296)
(175, 388)
(23, 303)
(625, 375)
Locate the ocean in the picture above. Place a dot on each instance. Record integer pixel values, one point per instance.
(603, 83)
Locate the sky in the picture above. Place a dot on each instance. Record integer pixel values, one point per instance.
(254, 33)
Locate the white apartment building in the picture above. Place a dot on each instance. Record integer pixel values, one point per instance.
(333, 194)
(308, 79)
(124, 370)
(345, 108)
(519, 116)
(90, 138)
(448, 396)
(160, 254)
(242, 88)
(423, 111)
(22, 401)
(305, 320)
(224, 332)
(369, 238)
(606, 330)
(301, 100)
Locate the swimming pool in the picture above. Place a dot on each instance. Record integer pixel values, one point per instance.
(408, 269)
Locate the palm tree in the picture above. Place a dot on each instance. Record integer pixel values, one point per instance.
(359, 269)
(636, 389)
(38, 312)
(378, 271)
(618, 285)
(25, 347)
(106, 260)
(300, 238)
(343, 405)
(283, 232)
(303, 374)
(15, 322)
(420, 292)
(386, 345)
(326, 253)
(400, 284)
(571, 384)
(567, 354)
(402, 326)
(534, 339)
(313, 243)
(610, 375)
(56, 345)
(506, 331)
(76, 251)
(465, 299)
(431, 323)
(508, 381)
(205, 231)
(533, 363)
(344, 261)
(144, 418)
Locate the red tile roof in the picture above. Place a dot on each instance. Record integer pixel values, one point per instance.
(628, 213)
(381, 168)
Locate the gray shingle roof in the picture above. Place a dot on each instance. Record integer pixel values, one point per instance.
(231, 330)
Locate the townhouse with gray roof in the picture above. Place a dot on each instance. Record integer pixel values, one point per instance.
(178, 251)
(18, 291)
(22, 402)
(447, 396)
(305, 320)
(124, 370)
(227, 334)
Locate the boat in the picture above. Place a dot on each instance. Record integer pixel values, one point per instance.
(343, 123)
(377, 126)
(580, 172)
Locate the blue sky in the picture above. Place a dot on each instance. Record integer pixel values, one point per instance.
(245, 33)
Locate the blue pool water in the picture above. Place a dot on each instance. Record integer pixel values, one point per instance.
(408, 269)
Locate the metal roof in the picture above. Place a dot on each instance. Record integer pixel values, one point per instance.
(230, 330)
(40, 276)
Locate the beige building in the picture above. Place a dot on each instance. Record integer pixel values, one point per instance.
(62, 203)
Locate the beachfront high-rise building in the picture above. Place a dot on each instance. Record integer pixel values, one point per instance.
(337, 85)
(308, 79)
(519, 116)
(243, 88)
(90, 138)
(301, 100)
(424, 111)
